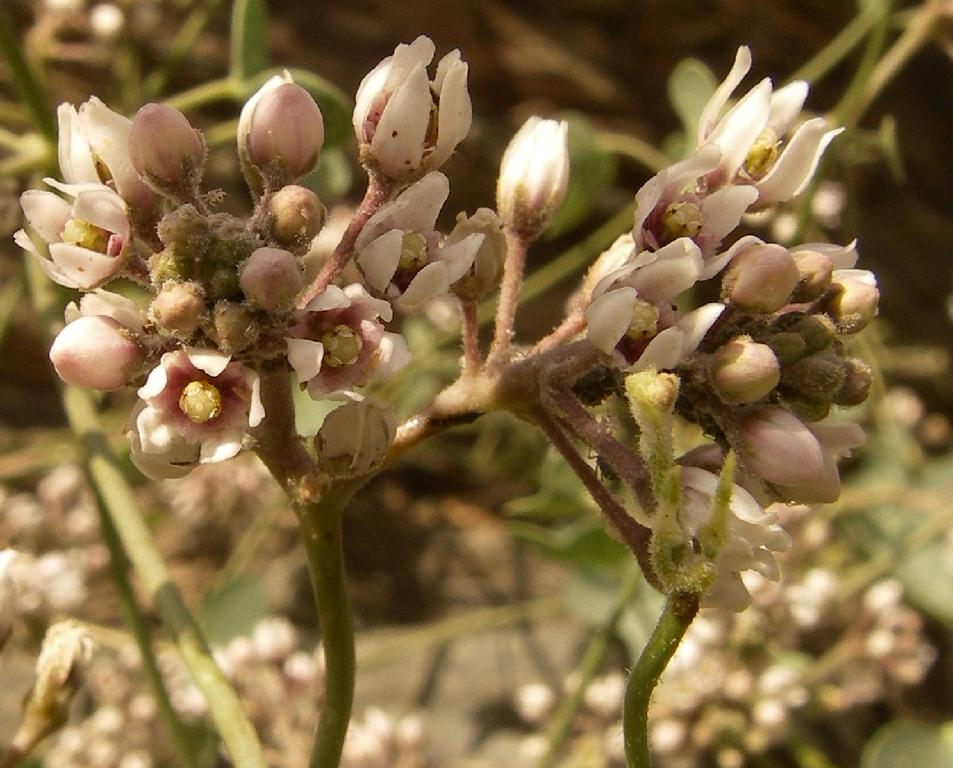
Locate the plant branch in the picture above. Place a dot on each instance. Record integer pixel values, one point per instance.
(679, 611)
(470, 333)
(513, 268)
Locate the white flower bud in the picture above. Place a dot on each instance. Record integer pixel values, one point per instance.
(815, 270)
(487, 266)
(354, 438)
(94, 352)
(780, 449)
(271, 278)
(743, 371)
(534, 174)
(854, 304)
(761, 278)
(164, 147)
(286, 132)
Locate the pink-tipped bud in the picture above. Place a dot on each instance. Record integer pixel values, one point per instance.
(814, 270)
(164, 147)
(534, 174)
(854, 303)
(271, 278)
(780, 449)
(761, 279)
(179, 308)
(94, 352)
(287, 131)
(296, 215)
(743, 371)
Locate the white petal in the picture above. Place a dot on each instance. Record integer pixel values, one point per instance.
(103, 208)
(155, 382)
(712, 109)
(256, 409)
(739, 128)
(786, 104)
(85, 268)
(220, 447)
(406, 58)
(797, 163)
(51, 270)
(455, 113)
(697, 323)
(368, 92)
(715, 265)
(380, 258)
(458, 257)
(359, 297)
(413, 210)
(722, 210)
(108, 304)
(841, 256)
(398, 142)
(429, 282)
(73, 151)
(608, 317)
(207, 360)
(676, 268)
(392, 355)
(305, 357)
(332, 297)
(664, 352)
(46, 213)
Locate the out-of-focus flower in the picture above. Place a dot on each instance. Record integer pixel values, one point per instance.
(534, 174)
(338, 341)
(406, 123)
(87, 240)
(196, 407)
(400, 254)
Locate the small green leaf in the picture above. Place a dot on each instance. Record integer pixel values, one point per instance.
(591, 172)
(690, 86)
(910, 745)
(249, 49)
(233, 609)
(583, 542)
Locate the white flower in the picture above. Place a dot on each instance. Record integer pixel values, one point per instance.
(338, 341)
(534, 174)
(395, 105)
(753, 534)
(88, 239)
(400, 254)
(752, 133)
(196, 407)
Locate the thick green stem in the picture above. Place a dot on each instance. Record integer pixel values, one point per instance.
(679, 611)
(120, 504)
(320, 524)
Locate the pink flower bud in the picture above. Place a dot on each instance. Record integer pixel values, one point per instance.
(743, 371)
(296, 216)
(815, 270)
(164, 147)
(761, 278)
(534, 174)
(179, 308)
(780, 449)
(271, 278)
(287, 131)
(854, 304)
(93, 352)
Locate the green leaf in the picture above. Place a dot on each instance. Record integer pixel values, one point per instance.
(249, 48)
(690, 86)
(333, 177)
(910, 745)
(232, 609)
(560, 494)
(591, 172)
(582, 543)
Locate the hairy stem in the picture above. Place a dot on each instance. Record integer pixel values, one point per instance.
(513, 268)
(374, 197)
(470, 333)
(679, 611)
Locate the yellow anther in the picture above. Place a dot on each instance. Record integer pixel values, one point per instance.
(200, 402)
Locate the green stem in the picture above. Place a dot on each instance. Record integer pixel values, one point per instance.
(560, 724)
(839, 46)
(321, 533)
(119, 501)
(679, 611)
(25, 80)
(179, 48)
(132, 615)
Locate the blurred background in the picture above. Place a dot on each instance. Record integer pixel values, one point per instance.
(480, 572)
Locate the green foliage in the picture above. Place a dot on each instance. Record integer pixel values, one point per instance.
(249, 49)
(910, 745)
(689, 87)
(591, 172)
(232, 609)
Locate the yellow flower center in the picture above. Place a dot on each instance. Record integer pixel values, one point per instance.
(413, 254)
(85, 235)
(682, 219)
(644, 320)
(341, 346)
(200, 402)
(762, 154)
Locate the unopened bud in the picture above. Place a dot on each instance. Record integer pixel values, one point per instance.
(271, 278)
(296, 215)
(787, 346)
(66, 651)
(816, 331)
(858, 379)
(779, 448)
(814, 270)
(853, 303)
(817, 377)
(179, 308)
(534, 174)
(761, 279)
(234, 327)
(95, 352)
(354, 438)
(286, 132)
(487, 266)
(743, 371)
(165, 149)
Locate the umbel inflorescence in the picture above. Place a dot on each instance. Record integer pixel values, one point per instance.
(229, 308)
